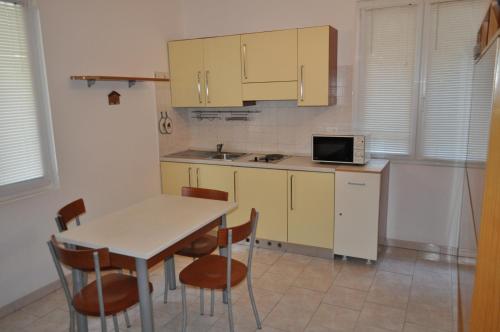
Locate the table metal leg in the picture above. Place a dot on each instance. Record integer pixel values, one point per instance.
(223, 252)
(78, 283)
(146, 305)
(172, 280)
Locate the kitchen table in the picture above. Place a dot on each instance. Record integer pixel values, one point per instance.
(145, 234)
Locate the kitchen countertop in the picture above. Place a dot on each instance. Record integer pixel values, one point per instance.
(292, 163)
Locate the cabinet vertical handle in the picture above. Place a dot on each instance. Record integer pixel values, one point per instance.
(234, 184)
(206, 85)
(197, 177)
(291, 192)
(245, 61)
(189, 176)
(301, 82)
(198, 85)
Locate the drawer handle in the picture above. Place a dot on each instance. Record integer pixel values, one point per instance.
(356, 183)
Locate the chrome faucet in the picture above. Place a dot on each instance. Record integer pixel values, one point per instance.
(219, 147)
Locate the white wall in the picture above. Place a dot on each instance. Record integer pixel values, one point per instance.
(424, 201)
(106, 154)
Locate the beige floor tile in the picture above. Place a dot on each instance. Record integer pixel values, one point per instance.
(361, 328)
(436, 263)
(356, 276)
(275, 282)
(333, 318)
(431, 279)
(410, 327)
(267, 256)
(288, 317)
(397, 265)
(429, 315)
(315, 279)
(392, 289)
(345, 297)
(381, 316)
(16, 321)
(40, 308)
(265, 300)
(428, 295)
(307, 299)
(297, 258)
(56, 320)
(287, 267)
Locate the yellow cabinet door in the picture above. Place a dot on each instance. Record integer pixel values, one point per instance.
(317, 62)
(174, 176)
(264, 190)
(269, 56)
(214, 177)
(222, 73)
(186, 73)
(311, 208)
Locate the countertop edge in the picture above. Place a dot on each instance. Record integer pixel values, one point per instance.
(293, 163)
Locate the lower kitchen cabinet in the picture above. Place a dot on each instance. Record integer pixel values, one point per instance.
(264, 190)
(215, 177)
(357, 214)
(174, 176)
(311, 208)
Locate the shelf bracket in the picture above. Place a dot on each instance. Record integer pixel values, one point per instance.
(131, 83)
(90, 83)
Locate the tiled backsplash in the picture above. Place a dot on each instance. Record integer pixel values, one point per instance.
(281, 126)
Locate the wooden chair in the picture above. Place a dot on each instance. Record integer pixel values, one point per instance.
(108, 295)
(69, 212)
(214, 271)
(73, 211)
(203, 245)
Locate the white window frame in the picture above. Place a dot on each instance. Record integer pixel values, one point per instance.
(50, 179)
(421, 66)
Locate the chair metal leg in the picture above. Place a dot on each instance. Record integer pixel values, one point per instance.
(127, 320)
(184, 308)
(252, 300)
(230, 311)
(115, 323)
(71, 320)
(166, 273)
(212, 302)
(202, 301)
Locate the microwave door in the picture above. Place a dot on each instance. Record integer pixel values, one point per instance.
(334, 149)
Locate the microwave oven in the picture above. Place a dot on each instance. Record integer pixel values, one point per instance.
(344, 149)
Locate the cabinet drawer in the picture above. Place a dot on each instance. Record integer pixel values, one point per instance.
(357, 197)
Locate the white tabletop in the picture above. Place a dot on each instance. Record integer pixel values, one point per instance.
(147, 228)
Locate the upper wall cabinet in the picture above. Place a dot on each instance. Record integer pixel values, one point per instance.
(205, 72)
(186, 72)
(293, 64)
(317, 66)
(269, 65)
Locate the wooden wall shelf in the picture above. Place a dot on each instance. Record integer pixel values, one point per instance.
(91, 79)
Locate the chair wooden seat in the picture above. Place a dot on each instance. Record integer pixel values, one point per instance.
(119, 293)
(202, 246)
(210, 272)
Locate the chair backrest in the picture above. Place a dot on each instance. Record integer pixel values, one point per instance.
(239, 233)
(205, 193)
(81, 259)
(69, 212)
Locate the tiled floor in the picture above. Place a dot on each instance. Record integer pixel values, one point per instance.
(406, 290)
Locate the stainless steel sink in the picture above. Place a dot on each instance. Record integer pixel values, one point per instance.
(197, 154)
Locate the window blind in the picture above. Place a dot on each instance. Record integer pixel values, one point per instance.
(20, 143)
(481, 103)
(387, 74)
(446, 97)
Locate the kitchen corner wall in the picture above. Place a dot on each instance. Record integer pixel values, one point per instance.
(424, 200)
(107, 155)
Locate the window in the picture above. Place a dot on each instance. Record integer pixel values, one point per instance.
(415, 74)
(387, 92)
(26, 147)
